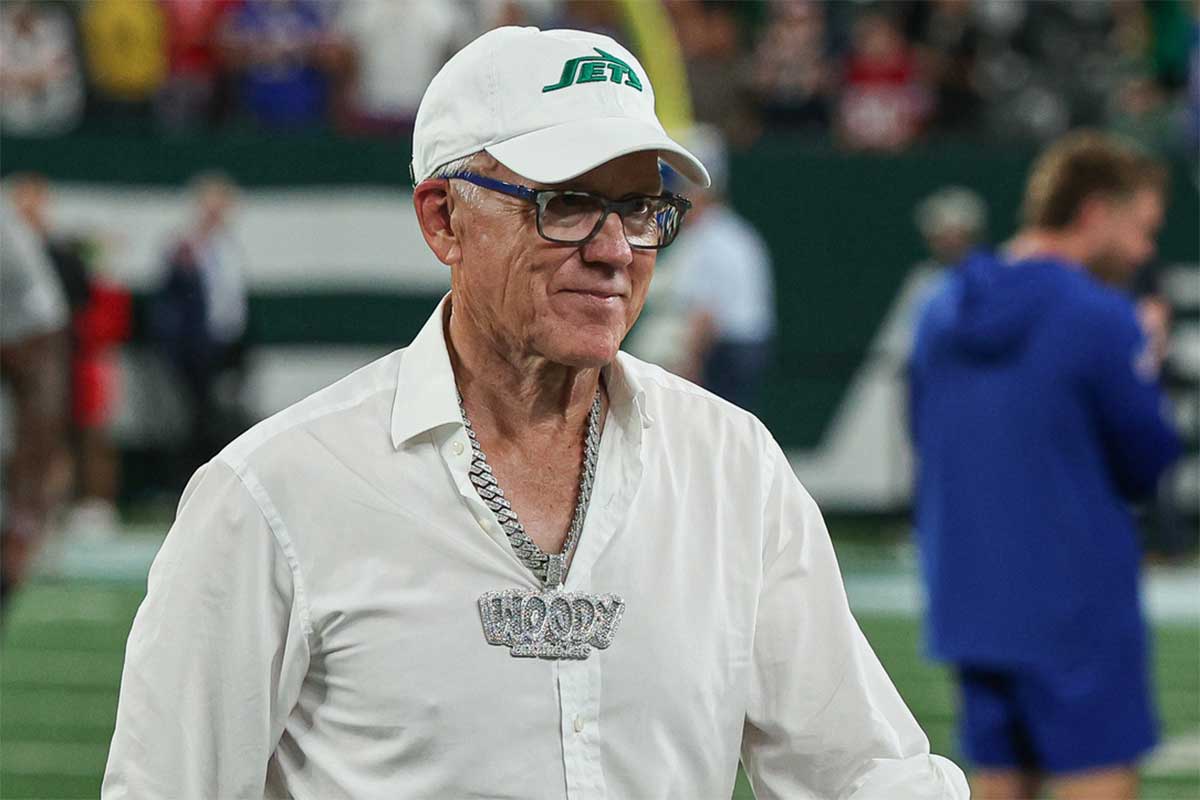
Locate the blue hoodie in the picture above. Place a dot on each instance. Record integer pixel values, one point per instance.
(1035, 421)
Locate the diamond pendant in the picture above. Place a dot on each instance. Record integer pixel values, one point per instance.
(550, 624)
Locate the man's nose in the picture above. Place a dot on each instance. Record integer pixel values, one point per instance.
(609, 245)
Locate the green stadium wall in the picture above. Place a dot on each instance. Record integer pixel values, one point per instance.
(839, 227)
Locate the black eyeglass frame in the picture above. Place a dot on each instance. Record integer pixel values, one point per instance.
(542, 197)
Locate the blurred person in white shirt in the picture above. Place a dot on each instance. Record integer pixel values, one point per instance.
(393, 49)
(41, 86)
(714, 315)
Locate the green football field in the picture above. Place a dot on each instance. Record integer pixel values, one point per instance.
(61, 663)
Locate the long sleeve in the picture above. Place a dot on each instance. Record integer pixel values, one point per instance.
(1129, 404)
(217, 652)
(824, 720)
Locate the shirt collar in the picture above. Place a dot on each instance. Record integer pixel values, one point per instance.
(625, 392)
(426, 397)
(425, 393)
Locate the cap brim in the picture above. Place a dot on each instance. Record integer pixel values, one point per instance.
(563, 152)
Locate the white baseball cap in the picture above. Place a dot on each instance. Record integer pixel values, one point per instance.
(549, 105)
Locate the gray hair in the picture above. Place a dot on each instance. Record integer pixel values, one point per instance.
(468, 191)
(952, 207)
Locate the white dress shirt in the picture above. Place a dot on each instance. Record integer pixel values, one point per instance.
(311, 627)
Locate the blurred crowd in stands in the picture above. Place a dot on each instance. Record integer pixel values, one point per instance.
(868, 75)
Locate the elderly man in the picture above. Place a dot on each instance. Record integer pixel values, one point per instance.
(508, 560)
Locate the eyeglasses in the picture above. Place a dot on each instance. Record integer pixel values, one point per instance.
(564, 216)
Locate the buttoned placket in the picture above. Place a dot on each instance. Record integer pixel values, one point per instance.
(580, 683)
(619, 470)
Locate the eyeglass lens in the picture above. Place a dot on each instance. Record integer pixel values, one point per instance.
(573, 217)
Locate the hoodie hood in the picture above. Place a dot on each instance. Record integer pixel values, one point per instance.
(1000, 301)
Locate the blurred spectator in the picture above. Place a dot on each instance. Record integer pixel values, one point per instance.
(1140, 111)
(1172, 40)
(1150, 43)
(884, 103)
(952, 220)
(126, 55)
(723, 285)
(33, 364)
(41, 88)
(710, 36)
(949, 41)
(1037, 416)
(29, 195)
(195, 91)
(1191, 122)
(498, 13)
(100, 320)
(597, 16)
(395, 48)
(793, 78)
(1043, 66)
(281, 51)
(199, 318)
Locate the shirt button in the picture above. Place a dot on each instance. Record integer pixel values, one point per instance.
(578, 724)
(457, 447)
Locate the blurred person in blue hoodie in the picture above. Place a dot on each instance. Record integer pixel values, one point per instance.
(1037, 417)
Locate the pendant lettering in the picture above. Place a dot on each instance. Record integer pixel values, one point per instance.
(550, 624)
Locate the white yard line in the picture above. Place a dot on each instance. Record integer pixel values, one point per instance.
(1172, 594)
(1178, 755)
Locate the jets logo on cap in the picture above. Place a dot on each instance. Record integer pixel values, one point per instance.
(595, 69)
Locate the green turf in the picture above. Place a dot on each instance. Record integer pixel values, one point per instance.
(61, 661)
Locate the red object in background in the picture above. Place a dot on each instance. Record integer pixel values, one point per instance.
(884, 99)
(100, 326)
(898, 72)
(192, 28)
(883, 103)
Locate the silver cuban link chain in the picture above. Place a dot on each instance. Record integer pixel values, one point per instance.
(548, 622)
(549, 568)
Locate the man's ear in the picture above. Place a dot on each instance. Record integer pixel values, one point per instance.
(433, 204)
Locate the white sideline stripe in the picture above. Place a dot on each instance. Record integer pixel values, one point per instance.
(152, 408)
(1178, 755)
(291, 238)
(1171, 594)
(1181, 283)
(1184, 349)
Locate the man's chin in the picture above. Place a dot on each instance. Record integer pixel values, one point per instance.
(586, 360)
(582, 351)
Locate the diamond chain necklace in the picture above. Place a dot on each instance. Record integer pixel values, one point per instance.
(549, 568)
